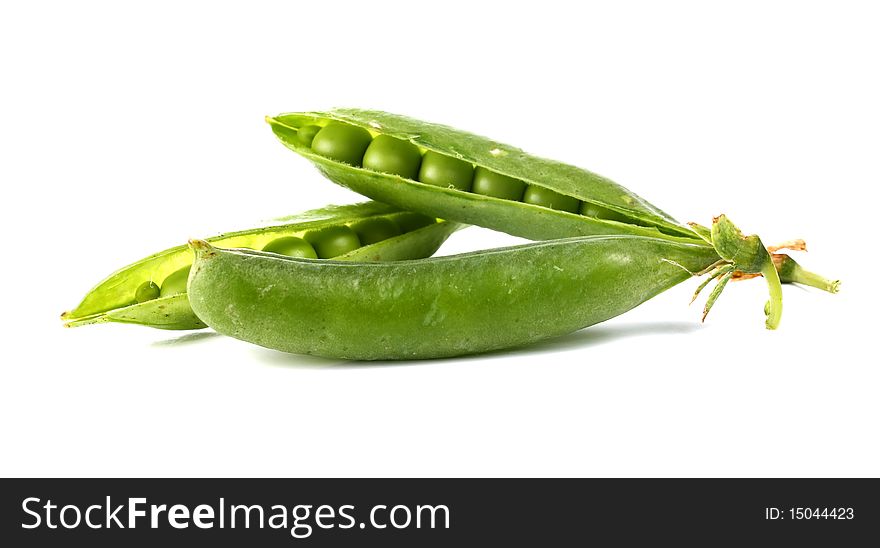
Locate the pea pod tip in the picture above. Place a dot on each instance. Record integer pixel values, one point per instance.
(201, 248)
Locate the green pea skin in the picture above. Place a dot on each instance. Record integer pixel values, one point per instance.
(147, 291)
(413, 221)
(598, 212)
(371, 231)
(175, 283)
(545, 197)
(306, 134)
(433, 308)
(342, 142)
(445, 171)
(333, 241)
(451, 145)
(114, 298)
(490, 183)
(391, 155)
(291, 247)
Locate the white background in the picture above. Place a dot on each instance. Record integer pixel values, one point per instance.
(128, 127)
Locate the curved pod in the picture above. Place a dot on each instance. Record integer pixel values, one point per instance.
(507, 215)
(472, 179)
(432, 308)
(114, 298)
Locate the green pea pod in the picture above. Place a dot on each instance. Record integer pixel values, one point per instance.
(438, 307)
(624, 212)
(116, 298)
(442, 171)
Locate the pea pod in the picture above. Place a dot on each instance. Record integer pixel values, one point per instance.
(445, 172)
(439, 170)
(437, 307)
(152, 291)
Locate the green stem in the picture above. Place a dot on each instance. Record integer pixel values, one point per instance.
(791, 272)
(812, 279)
(774, 305)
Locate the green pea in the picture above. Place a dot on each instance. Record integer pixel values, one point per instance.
(333, 241)
(592, 210)
(391, 155)
(291, 247)
(446, 171)
(413, 221)
(342, 142)
(490, 183)
(375, 230)
(306, 134)
(545, 197)
(147, 291)
(175, 283)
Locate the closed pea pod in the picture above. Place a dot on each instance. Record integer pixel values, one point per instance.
(432, 308)
(152, 291)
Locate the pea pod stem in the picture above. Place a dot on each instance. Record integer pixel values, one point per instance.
(774, 305)
(746, 254)
(792, 272)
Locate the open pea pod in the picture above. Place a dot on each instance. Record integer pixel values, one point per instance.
(468, 178)
(442, 171)
(159, 281)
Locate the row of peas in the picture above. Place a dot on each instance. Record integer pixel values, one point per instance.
(355, 146)
(324, 243)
